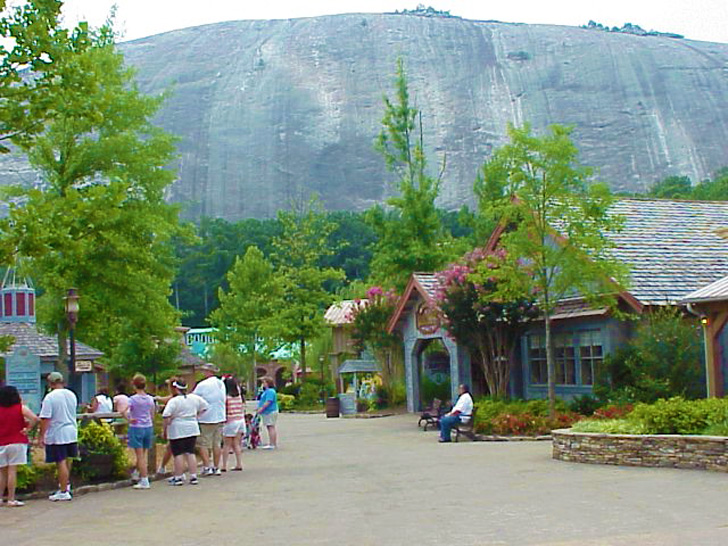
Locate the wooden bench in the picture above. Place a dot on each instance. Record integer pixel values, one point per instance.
(431, 416)
(466, 429)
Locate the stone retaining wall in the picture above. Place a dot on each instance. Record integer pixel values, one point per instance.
(672, 451)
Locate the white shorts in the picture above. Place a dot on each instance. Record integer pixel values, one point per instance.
(233, 428)
(270, 419)
(13, 455)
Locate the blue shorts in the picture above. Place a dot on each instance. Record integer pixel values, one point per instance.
(141, 437)
(55, 453)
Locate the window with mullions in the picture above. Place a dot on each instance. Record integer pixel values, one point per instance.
(590, 354)
(576, 357)
(565, 359)
(537, 359)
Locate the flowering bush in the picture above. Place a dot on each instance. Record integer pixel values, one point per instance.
(489, 326)
(613, 411)
(370, 318)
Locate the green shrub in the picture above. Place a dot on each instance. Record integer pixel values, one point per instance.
(98, 438)
(286, 402)
(498, 416)
(432, 390)
(672, 416)
(584, 405)
(26, 477)
(309, 395)
(609, 426)
(398, 394)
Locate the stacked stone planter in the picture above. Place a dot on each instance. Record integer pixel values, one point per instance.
(671, 451)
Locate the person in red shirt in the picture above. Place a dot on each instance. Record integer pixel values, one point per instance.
(15, 420)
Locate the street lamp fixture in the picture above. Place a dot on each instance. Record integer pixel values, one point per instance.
(72, 307)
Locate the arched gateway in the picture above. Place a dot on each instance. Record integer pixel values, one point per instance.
(434, 363)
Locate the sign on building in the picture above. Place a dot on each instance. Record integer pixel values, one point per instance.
(22, 371)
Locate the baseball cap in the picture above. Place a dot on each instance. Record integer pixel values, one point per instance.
(55, 377)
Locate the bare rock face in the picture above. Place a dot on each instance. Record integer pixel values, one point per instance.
(272, 110)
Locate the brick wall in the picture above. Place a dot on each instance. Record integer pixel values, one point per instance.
(672, 451)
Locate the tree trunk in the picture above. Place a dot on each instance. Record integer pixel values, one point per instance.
(303, 359)
(550, 367)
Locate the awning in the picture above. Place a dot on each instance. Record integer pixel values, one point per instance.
(359, 366)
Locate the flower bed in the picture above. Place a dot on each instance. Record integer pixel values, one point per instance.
(652, 450)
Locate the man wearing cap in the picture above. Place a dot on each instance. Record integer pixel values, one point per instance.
(59, 431)
(212, 389)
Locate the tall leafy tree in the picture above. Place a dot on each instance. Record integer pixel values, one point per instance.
(99, 221)
(410, 233)
(32, 50)
(556, 223)
(297, 254)
(245, 317)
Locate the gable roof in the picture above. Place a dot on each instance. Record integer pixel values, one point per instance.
(340, 313)
(46, 347)
(424, 284)
(671, 247)
(716, 291)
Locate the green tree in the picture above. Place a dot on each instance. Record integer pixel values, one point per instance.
(99, 220)
(411, 236)
(672, 187)
(297, 254)
(555, 240)
(34, 45)
(245, 317)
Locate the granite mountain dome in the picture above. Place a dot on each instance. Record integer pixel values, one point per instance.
(269, 110)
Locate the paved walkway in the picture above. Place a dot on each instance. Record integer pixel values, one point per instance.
(384, 482)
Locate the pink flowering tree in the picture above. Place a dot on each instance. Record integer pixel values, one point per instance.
(370, 327)
(472, 314)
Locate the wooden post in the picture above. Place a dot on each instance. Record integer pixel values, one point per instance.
(712, 327)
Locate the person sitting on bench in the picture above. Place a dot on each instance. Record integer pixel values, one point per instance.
(461, 413)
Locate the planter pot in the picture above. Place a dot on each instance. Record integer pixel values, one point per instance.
(96, 466)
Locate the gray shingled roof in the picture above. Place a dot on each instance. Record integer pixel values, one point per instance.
(717, 291)
(45, 346)
(428, 281)
(340, 313)
(671, 247)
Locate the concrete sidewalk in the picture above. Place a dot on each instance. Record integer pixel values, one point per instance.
(383, 481)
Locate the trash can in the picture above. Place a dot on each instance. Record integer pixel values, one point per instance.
(332, 407)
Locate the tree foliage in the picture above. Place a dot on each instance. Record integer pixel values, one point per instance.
(681, 187)
(245, 317)
(32, 53)
(297, 255)
(99, 221)
(556, 225)
(488, 326)
(410, 233)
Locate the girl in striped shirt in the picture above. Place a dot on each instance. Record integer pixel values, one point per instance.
(234, 427)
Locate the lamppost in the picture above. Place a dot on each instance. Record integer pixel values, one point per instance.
(71, 299)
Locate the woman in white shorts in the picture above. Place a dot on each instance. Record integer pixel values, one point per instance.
(234, 428)
(15, 420)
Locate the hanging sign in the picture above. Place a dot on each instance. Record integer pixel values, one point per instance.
(428, 319)
(22, 371)
(84, 366)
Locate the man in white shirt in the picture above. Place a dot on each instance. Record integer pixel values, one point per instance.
(59, 431)
(461, 413)
(212, 390)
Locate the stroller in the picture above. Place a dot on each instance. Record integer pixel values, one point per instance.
(251, 440)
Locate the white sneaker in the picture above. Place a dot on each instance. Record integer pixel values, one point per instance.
(161, 470)
(60, 496)
(217, 472)
(207, 471)
(143, 484)
(267, 446)
(135, 475)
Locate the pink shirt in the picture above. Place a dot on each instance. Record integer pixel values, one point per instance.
(234, 408)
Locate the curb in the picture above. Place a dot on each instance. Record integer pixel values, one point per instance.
(95, 488)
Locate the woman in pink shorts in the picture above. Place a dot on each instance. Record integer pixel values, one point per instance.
(15, 420)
